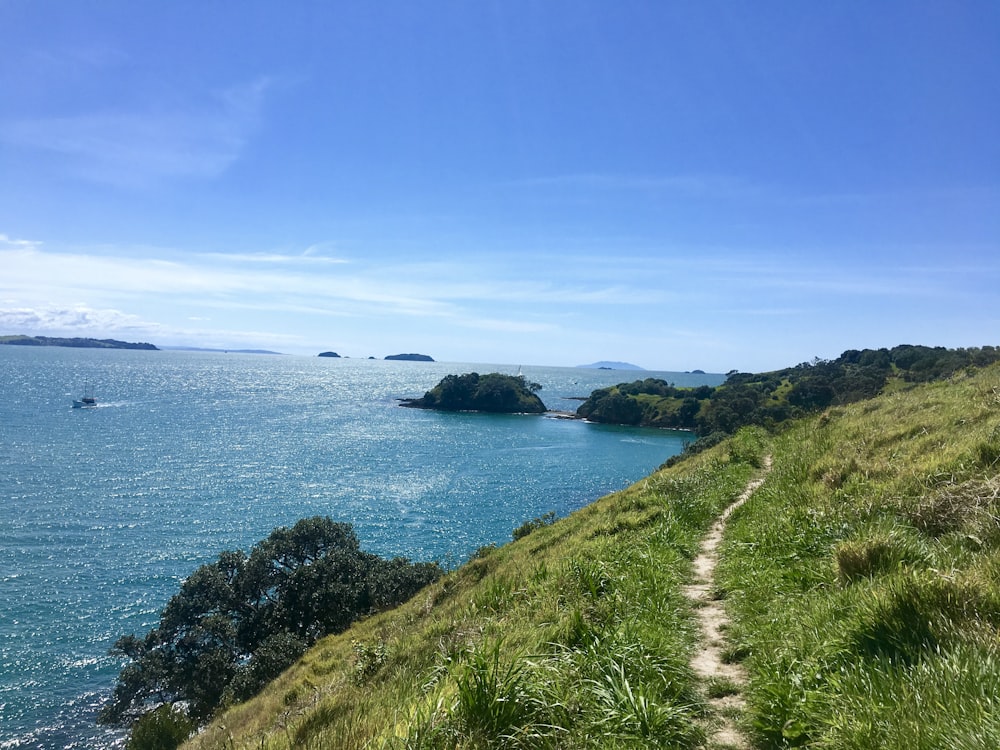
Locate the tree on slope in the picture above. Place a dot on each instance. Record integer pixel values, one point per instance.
(239, 622)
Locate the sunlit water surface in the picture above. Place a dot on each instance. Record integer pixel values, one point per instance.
(104, 511)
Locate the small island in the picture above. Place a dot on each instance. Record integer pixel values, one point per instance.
(493, 393)
(79, 343)
(411, 357)
(328, 354)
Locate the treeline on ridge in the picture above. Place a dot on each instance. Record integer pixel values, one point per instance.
(769, 398)
(78, 343)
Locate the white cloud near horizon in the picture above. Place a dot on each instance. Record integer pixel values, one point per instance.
(206, 299)
(83, 320)
(71, 318)
(413, 287)
(40, 277)
(35, 281)
(10, 242)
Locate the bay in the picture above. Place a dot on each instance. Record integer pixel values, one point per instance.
(104, 511)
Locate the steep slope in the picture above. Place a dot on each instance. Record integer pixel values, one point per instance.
(862, 576)
(576, 635)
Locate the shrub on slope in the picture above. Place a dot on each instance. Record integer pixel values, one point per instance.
(239, 622)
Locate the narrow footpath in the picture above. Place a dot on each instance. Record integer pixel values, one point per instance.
(723, 682)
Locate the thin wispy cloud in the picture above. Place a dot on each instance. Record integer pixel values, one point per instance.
(742, 189)
(308, 257)
(461, 293)
(268, 283)
(16, 244)
(508, 326)
(691, 185)
(138, 148)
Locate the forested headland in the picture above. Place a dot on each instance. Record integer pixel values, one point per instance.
(78, 343)
(771, 398)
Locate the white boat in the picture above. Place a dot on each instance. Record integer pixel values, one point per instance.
(86, 400)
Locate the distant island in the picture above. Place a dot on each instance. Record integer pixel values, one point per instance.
(79, 343)
(494, 393)
(611, 366)
(411, 357)
(328, 354)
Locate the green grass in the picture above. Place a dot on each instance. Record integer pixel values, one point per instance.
(863, 578)
(577, 635)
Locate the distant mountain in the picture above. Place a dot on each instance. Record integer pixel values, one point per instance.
(79, 343)
(612, 366)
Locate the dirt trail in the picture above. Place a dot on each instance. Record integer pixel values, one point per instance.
(707, 662)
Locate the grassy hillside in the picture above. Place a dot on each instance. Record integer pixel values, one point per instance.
(576, 635)
(770, 398)
(863, 576)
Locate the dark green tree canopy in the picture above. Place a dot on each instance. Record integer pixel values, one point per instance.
(239, 622)
(770, 398)
(494, 392)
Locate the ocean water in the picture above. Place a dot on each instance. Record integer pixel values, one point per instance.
(104, 511)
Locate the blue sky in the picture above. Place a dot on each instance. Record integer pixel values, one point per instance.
(714, 185)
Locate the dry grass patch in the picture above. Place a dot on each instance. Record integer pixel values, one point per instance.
(968, 507)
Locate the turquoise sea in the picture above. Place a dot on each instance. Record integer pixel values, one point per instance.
(104, 511)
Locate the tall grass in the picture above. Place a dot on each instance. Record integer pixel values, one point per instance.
(952, 701)
(865, 575)
(863, 578)
(496, 701)
(576, 635)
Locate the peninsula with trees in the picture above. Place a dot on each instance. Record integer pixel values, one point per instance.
(79, 343)
(770, 399)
